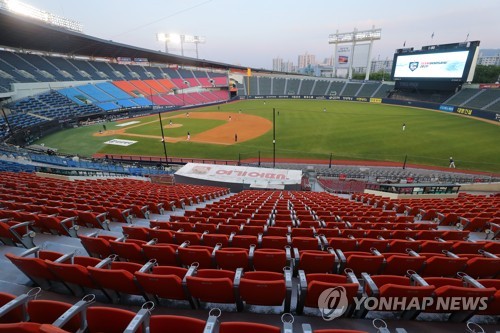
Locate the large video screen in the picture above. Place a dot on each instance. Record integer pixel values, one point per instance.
(436, 65)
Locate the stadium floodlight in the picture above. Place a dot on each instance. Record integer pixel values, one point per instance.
(180, 39)
(19, 8)
(353, 38)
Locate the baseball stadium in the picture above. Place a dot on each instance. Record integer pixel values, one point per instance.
(145, 191)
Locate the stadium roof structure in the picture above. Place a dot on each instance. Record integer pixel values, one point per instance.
(26, 33)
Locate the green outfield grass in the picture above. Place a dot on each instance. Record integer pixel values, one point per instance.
(348, 130)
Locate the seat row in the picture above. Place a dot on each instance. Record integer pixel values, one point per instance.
(193, 284)
(198, 285)
(442, 262)
(25, 314)
(304, 238)
(333, 229)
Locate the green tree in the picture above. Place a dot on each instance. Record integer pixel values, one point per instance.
(486, 74)
(374, 76)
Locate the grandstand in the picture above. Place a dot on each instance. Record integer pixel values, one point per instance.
(121, 243)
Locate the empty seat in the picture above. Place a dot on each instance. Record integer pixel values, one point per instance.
(118, 277)
(366, 244)
(214, 239)
(163, 282)
(344, 244)
(232, 258)
(360, 262)
(405, 289)
(108, 319)
(460, 247)
(401, 245)
(312, 285)
(243, 241)
(245, 327)
(271, 260)
(33, 263)
(315, 261)
(266, 288)
(442, 266)
(458, 288)
(46, 312)
(435, 246)
(494, 304)
(97, 245)
(164, 254)
(275, 242)
(306, 243)
(129, 250)
(400, 263)
(212, 285)
(203, 255)
(75, 273)
(159, 323)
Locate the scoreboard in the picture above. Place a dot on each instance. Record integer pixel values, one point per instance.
(435, 64)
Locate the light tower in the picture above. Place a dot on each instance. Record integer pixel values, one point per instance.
(180, 39)
(354, 38)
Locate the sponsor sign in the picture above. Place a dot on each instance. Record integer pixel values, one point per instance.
(120, 142)
(240, 174)
(447, 108)
(490, 86)
(343, 54)
(465, 111)
(375, 100)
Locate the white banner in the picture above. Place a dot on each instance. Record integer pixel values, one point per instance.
(119, 142)
(240, 174)
(128, 123)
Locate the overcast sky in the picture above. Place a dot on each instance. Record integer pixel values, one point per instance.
(252, 33)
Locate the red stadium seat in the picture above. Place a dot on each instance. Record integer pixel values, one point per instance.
(271, 260)
(399, 264)
(232, 258)
(315, 261)
(108, 319)
(159, 323)
(13, 316)
(442, 266)
(266, 288)
(461, 288)
(244, 327)
(212, 285)
(306, 243)
(275, 242)
(214, 239)
(164, 254)
(399, 287)
(203, 255)
(75, 273)
(494, 304)
(129, 250)
(312, 285)
(33, 263)
(360, 262)
(163, 282)
(118, 277)
(97, 245)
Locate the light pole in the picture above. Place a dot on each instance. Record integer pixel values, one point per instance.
(180, 39)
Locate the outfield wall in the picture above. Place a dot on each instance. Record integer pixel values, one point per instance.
(488, 115)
